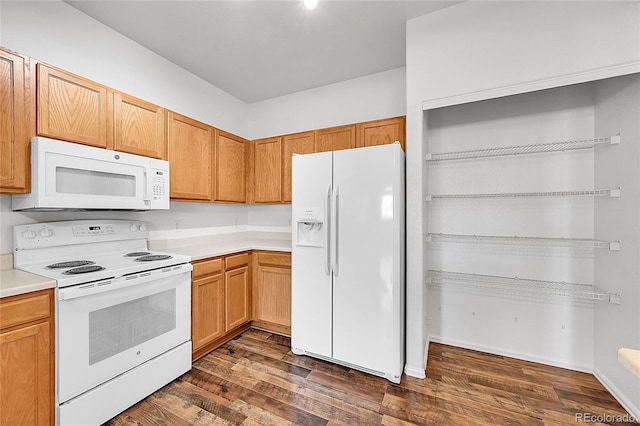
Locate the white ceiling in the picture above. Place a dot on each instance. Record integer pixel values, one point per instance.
(256, 50)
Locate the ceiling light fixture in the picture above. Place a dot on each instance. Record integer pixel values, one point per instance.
(311, 4)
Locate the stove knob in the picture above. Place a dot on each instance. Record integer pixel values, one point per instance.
(143, 228)
(133, 227)
(29, 234)
(46, 233)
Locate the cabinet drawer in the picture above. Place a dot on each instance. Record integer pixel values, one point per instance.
(207, 267)
(24, 308)
(274, 259)
(236, 261)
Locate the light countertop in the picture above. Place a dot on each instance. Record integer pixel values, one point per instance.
(14, 281)
(212, 242)
(630, 358)
(206, 250)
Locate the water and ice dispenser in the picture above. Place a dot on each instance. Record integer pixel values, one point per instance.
(310, 228)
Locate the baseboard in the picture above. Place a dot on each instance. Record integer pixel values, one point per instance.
(511, 354)
(626, 403)
(418, 373)
(272, 327)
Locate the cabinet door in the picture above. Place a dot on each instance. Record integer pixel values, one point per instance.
(267, 166)
(139, 127)
(272, 289)
(230, 165)
(237, 311)
(190, 154)
(298, 143)
(27, 359)
(73, 109)
(335, 138)
(207, 310)
(381, 132)
(14, 129)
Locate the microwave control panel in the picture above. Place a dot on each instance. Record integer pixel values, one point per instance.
(160, 184)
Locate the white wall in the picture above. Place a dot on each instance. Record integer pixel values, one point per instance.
(482, 50)
(617, 108)
(366, 98)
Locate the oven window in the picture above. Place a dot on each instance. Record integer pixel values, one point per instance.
(120, 327)
(89, 182)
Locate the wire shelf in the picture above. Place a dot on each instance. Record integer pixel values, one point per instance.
(440, 279)
(524, 241)
(525, 149)
(614, 193)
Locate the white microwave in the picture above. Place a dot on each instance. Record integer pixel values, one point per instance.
(72, 176)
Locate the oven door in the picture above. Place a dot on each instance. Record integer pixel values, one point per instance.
(106, 328)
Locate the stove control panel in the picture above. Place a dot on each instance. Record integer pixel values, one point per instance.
(57, 234)
(90, 230)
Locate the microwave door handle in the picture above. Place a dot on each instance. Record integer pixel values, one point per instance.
(148, 186)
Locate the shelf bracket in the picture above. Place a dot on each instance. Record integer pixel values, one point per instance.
(615, 299)
(615, 192)
(615, 139)
(614, 246)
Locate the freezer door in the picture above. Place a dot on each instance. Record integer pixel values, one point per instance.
(310, 264)
(368, 282)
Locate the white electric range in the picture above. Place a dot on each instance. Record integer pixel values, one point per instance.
(123, 313)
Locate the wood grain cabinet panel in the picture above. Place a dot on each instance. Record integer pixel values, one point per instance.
(298, 143)
(237, 308)
(230, 168)
(207, 310)
(335, 138)
(14, 123)
(381, 132)
(73, 109)
(267, 170)
(272, 292)
(27, 360)
(139, 127)
(190, 155)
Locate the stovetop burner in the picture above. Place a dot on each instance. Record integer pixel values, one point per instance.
(137, 254)
(152, 257)
(83, 270)
(70, 264)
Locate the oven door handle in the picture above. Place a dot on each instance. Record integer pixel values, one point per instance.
(88, 289)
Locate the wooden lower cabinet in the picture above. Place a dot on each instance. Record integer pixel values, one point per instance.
(272, 291)
(220, 301)
(27, 359)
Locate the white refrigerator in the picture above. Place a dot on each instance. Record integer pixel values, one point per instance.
(348, 273)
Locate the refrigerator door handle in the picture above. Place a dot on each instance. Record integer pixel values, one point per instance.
(336, 230)
(327, 232)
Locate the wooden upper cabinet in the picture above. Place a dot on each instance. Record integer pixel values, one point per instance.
(230, 167)
(190, 155)
(73, 109)
(14, 122)
(381, 132)
(267, 170)
(139, 127)
(297, 143)
(335, 138)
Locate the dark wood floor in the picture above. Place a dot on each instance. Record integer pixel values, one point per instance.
(255, 379)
